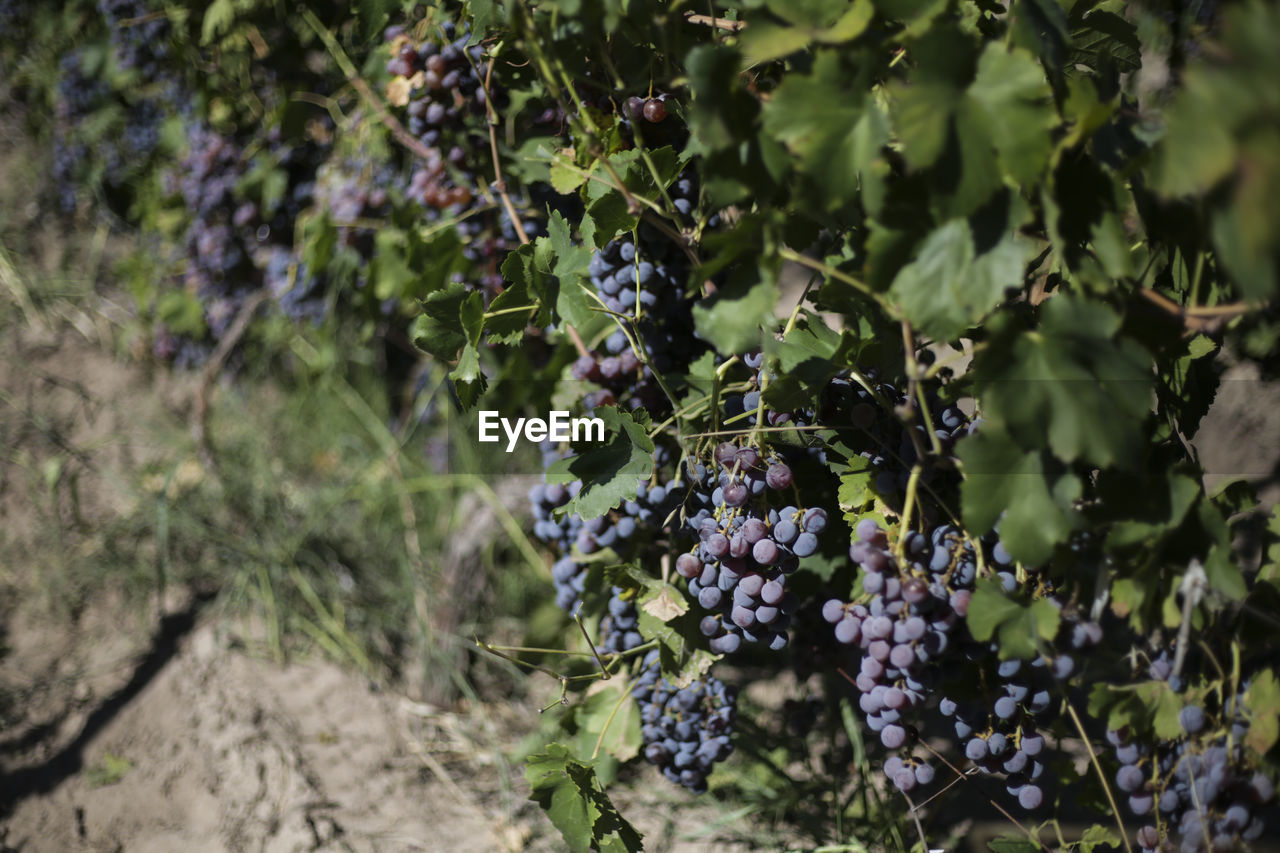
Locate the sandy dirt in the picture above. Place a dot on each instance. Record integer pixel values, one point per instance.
(125, 730)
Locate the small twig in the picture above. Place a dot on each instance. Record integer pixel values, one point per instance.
(915, 818)
(965, 777)
(577, 617)
(1102, 776)
(211, 370)
(370, 97)
(578, 343)
(1206, 318)
(718, 23)
(498, 183)
(1193, 583)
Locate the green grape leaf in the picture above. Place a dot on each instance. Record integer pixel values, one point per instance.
(574, 800)
(1041, 25)
(1174, 492)
(765, 42)
(1020, 630)
(832, 128)
(1026, 493)
(1220, 567)
(471, 313)
(438, 329)
(608, 717)
(1262, 700)
(731, 319)
(1105, 38)
(1161, 705)
(551, 269)
(856, 495)
(953, 282)
(1070, 385)
(609, 472)
(1097, 836)
(922, 119)
(468, 379)
(506, 322)
(1016, 104)
(721, 111)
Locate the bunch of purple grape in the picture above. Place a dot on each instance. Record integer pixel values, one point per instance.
(571, 536)
(746, 548)
(643, 277)
(446, 82)
(219, 261)
(913, 623)
(684, 730)
(139, 35)
(1199, 786)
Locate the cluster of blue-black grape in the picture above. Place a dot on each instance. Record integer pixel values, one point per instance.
(626, 530)
(1001, 732)
(489, 238)
(139, 35)
(868, 414)
(684, 730)
(912, 624)
(139, 40)
(79, 95)
(620, 627)
(234, 244)
(219, 262)
(746, 548)
(445, 81)
(440, 86)
(352, 192)
(643, 276)
(1200, 787)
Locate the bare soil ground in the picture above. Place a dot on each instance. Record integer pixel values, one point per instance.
(156, 726)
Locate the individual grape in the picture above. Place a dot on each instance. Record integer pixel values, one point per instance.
(765, 552)
(1192, 719)
(833, 610)
(893, 736)
(1006, 707)
(847, 631)
(1129, 778)
(1030, 797)
(815, 520)
(654, 110)
(688, 566)
(806, 545)
(778, 476)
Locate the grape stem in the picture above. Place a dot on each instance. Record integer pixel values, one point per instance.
(499, 183)
(717, 23)
(915, 818)
(789, 254)
(1192, 592)
(577, 617)
(363, 89)
(626, 694)
(1097, 766)
(200, 413)
(965, 777)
